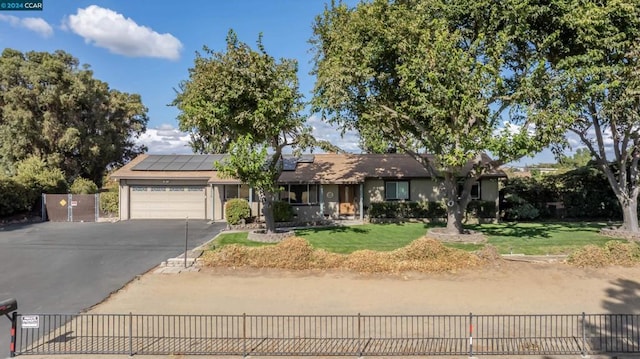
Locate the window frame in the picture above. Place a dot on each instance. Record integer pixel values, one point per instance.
(285, 196)
(387, 197)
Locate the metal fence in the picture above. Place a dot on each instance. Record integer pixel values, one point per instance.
(326, 335)
(70, 207)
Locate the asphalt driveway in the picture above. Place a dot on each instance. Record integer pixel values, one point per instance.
(68, 267)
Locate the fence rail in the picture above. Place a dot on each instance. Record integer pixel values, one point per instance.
(326, 335)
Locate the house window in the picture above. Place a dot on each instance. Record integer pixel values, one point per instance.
(236, 191)
(396, 190)
(300, 194)
(475, 190)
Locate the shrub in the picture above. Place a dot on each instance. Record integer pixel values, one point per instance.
(83, 186)
(236, 210)
(109, 202)
(34, 174)
(282, 211)
(407, 210)
(519, 209)
(482, 209)
(14, 197)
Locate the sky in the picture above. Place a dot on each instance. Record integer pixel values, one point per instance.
(147, 46)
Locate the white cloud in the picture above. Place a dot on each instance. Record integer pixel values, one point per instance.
(110, 30)
(324, 131)
(166, 140)
(34, 24)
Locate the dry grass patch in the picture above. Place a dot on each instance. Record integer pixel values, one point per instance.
(423, 255)
(613, 253)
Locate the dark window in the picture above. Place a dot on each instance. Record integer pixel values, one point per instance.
(300, 193)
(237, 191)
(396, 190)
(475, 190)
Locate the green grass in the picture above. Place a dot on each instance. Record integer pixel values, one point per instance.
(236, 238)
(520, 238)
(377, 237)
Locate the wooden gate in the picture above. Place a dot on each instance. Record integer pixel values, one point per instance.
(70, 207)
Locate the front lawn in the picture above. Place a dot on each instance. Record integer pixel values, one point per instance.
(520, 238)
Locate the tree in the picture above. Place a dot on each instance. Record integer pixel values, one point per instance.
(580, 158)
(438, 77)
(53, 109)
(246, 103)
(595, 65)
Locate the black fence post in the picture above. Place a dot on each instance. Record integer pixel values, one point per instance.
(583, 351)
(130, 334)
(360, 335)
(14, 327)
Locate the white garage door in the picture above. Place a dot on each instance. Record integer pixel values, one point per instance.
(168, 202)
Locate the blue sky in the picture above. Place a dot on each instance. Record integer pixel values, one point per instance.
(147, 47)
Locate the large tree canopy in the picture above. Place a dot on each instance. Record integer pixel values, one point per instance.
(438, 77)
(52, 109)
(247, 103)
(594, 67)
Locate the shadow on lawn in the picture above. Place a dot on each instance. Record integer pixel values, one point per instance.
(338, 229)
(533, 230)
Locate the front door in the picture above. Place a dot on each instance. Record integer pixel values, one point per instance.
(347, 200)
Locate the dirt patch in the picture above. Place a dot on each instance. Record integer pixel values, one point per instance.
(505, 288)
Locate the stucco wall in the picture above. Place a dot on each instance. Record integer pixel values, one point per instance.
(373, 191)
(489, 189)
(331, 200)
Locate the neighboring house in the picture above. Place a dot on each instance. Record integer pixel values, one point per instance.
(318, 186)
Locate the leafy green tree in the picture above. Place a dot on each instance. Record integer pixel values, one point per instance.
(83, 186)
(595, 66)
(580, 158)
(52, 108)
(438, 77)
(38, 177)
(245, 102)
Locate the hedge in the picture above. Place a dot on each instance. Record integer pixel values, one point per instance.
(407, 210)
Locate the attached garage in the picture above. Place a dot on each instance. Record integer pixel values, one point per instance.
(168, 202)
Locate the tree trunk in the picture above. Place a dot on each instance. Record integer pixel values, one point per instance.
(267, 211)
(455, 210)
(454, 218)
(629, 214)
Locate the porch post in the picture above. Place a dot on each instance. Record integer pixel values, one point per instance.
(321, 201)
(361, 201)
(250, 201)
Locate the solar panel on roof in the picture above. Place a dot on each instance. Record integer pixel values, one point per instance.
(181, 159)
(159, 166)
(174, 166)
(188, 166)
(289, 164)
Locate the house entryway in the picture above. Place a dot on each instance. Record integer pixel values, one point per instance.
(347, 198)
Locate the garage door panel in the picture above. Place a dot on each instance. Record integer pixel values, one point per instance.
(164, 202)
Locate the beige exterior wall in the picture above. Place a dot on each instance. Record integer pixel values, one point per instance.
(373, 191)
(489, 189)
(331, 200)
(123, 204)
(218, 210)
(424, 190)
